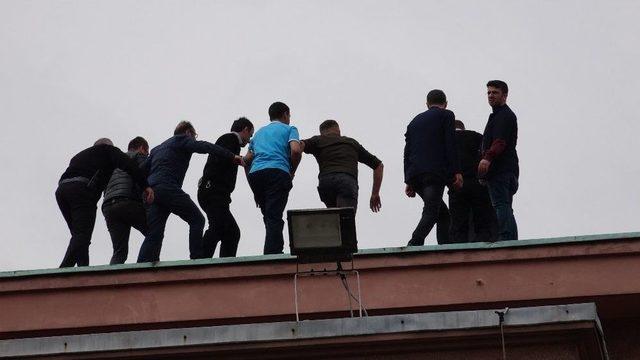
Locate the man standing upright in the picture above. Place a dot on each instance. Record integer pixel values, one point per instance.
(430, 161)
(338, 158)
(274, 154)
(168, 164)
(471, 204)
(499, 165)
(122, 204)
(214, 192)
(79, 190)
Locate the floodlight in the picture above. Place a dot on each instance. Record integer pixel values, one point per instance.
(322, 235)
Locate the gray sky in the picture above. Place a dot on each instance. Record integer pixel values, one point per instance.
(74, 71)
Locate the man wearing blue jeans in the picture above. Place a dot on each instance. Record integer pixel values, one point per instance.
(274, 154)
(167, 166)
(431, 162)
(499, 166)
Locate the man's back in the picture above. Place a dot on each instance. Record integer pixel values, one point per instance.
(222, 174)
(468, 144)
(339, 154)
(270, 146)
(121, 184)
(97, 163)
(430, 145)
(169, 161)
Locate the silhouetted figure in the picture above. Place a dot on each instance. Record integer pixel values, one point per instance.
(122, 205)
(214, 192)
(79, 190)
(472, 216)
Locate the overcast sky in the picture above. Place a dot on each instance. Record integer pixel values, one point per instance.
(74, 71)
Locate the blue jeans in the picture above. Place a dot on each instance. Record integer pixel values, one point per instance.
(502, 187)
(271, 191)
(171, 200)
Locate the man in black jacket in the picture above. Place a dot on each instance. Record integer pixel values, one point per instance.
(430, 161)
(471, 204)
(500, 165)
(79, 190)
(122, 204)
(214, 192)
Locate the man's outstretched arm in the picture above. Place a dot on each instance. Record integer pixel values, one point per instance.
(296, 155)
(374, 203)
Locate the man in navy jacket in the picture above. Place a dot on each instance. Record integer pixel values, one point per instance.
(167, 166)
(430, 160)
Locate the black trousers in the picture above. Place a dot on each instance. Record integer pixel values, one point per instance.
(338, 190)
(473, 219)
(223, 227)
(430, 189)
(121, 215)
(271, 190)
(78, 206)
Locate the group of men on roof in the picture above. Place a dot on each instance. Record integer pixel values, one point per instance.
(141, 188)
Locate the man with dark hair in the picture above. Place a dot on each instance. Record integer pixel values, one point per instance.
(471, 204)
(122, 204)
(79, 190)
(500, 165)
(338, 158)
(273, 156)
(430, 161)
(167, 166)
(214, 192)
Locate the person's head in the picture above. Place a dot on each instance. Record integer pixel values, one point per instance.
(139, 144)
(459, 125)
(244, 128)
(280, 111)
(103, 141)
(436, 98)
(329, 127)
(185, 128)
(497, 91)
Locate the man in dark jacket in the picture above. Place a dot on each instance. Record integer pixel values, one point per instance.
(338, 158)
(214, 192)
(430, 161)
(79, 190)
(122, 204)
(471, 204)
(167, 166)
(500, 165)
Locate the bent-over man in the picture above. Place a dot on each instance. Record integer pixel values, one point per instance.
(338, 158)
(122, 205)
(79, 190)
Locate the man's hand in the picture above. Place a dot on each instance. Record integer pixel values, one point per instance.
(483, 167)
(148, 195)
(374, 203)
(409, 191)
(238, 160)
(458, 182)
